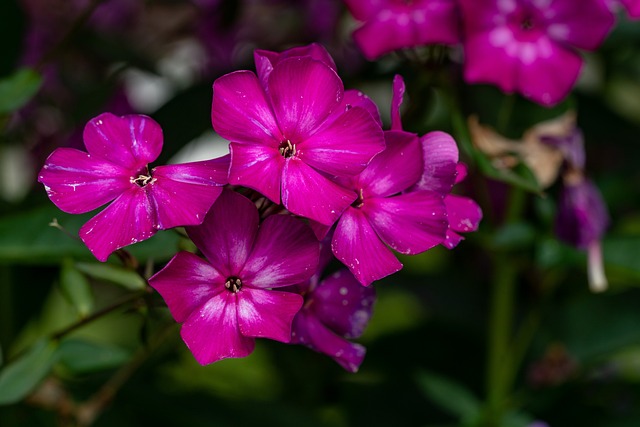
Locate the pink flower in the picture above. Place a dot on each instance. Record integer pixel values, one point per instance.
(529, 46)
(227, 301)
(289, 131)
(395, 24)
(115, 168)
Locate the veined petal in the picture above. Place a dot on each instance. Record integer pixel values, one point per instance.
(130, 141)
(440, 162)
(303, 92)
(240, 111)
(394, 170)
(346, 146)
(258, 167)
(463, 213)
(228, 232)
(267, 314)
(285, 253)
(307, 193)
(310, 332)
(409, 223)
(212, 332)
(78, 183)
(128, 220)
(186, 283)
(357, 246)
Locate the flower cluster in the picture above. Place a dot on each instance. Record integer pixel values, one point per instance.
(308, 161)
(525, 46)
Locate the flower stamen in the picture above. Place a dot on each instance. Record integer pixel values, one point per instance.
(287, 149)
(143, 180)
(233, 284)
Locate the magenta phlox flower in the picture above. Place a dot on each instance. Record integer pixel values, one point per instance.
(394, 24)
(115, 168)
(530, 46)
(285, 142)
(631, 6)
(228, 300)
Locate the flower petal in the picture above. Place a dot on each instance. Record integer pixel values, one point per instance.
(409, 223)
(212, 332)
(584, 27)
(307, 193)
(463, 213)
(78, 183)
(346, 146)
(452, 239)
(228, 232)
(355, 98)
(396, 101)
(357, 246)
(186, 283)
(440, 162)
(240, 111)
(267, 314)
(285, 253)
(303, 93)
(258, 167)
(128, 220)
(130, 141)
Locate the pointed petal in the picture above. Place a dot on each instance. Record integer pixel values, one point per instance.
(303, 93)
(186, 283)
(257, 167)
(355, 98)
(310, 332)
(285, 253)
(394, 170)
(128, 220)
(461, 172)
(358, 247)
(440, 162)
(78, 183)
(240, 111)
(307, 193)
(212, 332)
(409, 223)
(130, 141)
(267, 314)
(452, 239)
(228, 232)
(265, 60)
(463, 213)
(320, 230)
(346, 146)
(183, 194)
(342, 304)
(396, 101)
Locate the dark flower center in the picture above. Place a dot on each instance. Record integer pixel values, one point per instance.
(526, 23)
(143, 180)
(233, 284)
(359, 201)
(287, 149)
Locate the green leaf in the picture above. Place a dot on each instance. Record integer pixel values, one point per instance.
(115, 274)
(81, 357)
(17, 89)
(450, 396)
(76, 288)
(20, 377)
(621, 253)
(514, 236)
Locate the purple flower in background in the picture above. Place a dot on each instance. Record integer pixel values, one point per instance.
(227, 301)
(395, 24)
(631, 6)
(115, 168)
(335, 310)
(289, 130)
(529, 46)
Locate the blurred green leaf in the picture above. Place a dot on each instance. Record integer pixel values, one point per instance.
(20, 377)
(514, 236)
(623, 253)
(76, 288)
(115, 274)
(450, 396)
(81, 356)
(17, 89)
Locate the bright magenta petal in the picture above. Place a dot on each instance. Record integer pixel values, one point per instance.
(409, 223)
(228, 232)
(346, 146)
(440, 162)
(463, 213)
(307, 193)
(128, 220)
(267, 314)
(396, 101)
(303, 93)
(357, 246)
(129, 141)
(78, 183)
(212, 332)
(285, 253)
(240, 111)
(186, 283)
(258, 167)
(355, 98)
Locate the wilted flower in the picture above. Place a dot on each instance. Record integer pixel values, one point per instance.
(227, 301)
(530, 46)
(115, 168)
